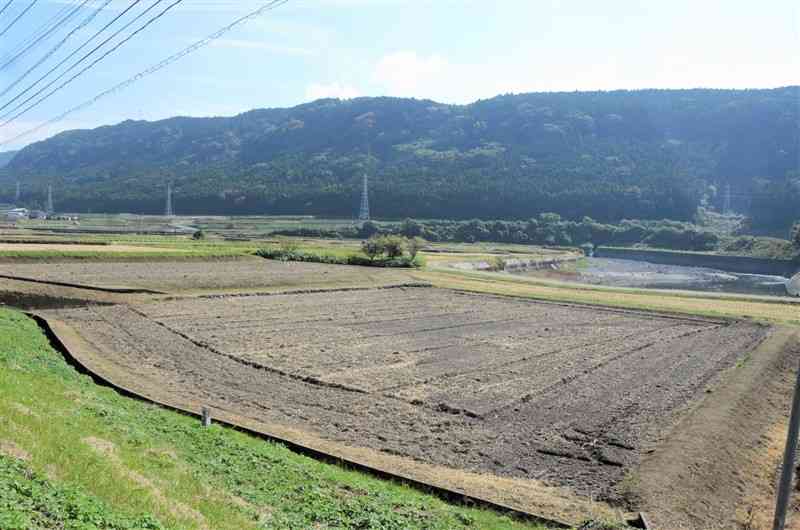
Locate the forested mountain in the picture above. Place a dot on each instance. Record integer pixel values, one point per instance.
(5, 157)
(608, 155)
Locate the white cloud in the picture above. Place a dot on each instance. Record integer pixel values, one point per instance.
(406, 73)
(331, 90)
(410, 74)
(261, 45)
(9, 133)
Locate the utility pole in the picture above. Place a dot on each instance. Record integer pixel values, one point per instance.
(168, 211)
(49, 207)
(17, 194)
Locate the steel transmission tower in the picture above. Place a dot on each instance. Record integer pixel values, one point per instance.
(363, 212)
(168, 211)
(726, 208)
(49, 208)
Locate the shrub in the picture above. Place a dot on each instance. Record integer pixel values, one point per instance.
(369, 229)
(288, 245)
(372, 247)
(277, 253)
(414, 245)
(497, 263)
(198, 235)
(411, 228)
(393, 246)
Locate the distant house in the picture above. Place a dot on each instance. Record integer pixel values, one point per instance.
(37, 214)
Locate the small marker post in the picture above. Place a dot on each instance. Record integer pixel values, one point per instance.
(206, 417)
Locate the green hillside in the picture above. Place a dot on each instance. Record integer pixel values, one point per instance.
(646, 154)
(5, 157)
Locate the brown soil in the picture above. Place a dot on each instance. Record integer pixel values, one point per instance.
(566, 395)
(30, 295)
(726, 452)
(206, 275)
(68, 247)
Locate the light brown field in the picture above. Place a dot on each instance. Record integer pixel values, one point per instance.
(55, 247)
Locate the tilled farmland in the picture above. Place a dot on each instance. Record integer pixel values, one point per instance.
(570, 395)
(200, 275)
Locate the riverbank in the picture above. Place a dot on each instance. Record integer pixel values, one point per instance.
(737, 264)
(640, 274)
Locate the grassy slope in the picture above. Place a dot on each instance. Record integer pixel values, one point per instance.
(86, 457)
(733, 306)
(183, 247)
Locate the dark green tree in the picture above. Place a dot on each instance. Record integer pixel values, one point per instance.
(372, 247)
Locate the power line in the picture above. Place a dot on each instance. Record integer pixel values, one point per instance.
(70, 56)
(8, 53)
(22, 14)
(3, 9)
(92, 64)
(155, 68)
(43, 36)
(58, 46)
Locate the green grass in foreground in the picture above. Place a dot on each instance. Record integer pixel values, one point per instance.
(29, 500)
(80, 456)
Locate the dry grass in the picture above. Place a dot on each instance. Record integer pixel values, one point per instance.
(718, 306)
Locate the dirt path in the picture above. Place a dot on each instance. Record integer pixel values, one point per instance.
(727, 451)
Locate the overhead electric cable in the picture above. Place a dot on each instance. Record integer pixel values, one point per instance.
(85, 22)
(3, 9)
(43, 36)
(36, 34)
(151, 70)
(22, 14)
(74, 52)
(92, 64)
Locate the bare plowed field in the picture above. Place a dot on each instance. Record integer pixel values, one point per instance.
(206, 275)
(56, 247)
(569, 395)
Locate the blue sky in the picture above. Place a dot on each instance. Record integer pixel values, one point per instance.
(454, 51)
